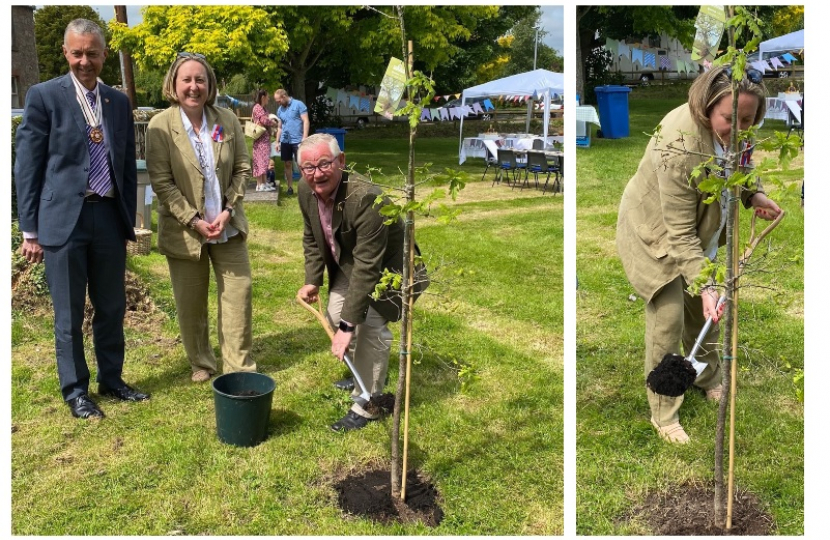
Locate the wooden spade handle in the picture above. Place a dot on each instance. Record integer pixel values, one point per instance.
(755, 240)
(318, 313)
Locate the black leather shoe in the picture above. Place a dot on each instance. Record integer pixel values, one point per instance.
(124, 393)
(350, 422)
(345, 384)
(83, 407)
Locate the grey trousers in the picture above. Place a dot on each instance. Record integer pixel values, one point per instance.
(674, 316)
(370, 345)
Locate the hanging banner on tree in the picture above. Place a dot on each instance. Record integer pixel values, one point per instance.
(391, 88)
(709, 24)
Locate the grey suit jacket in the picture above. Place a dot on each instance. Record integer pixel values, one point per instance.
(364, 246)
(51, 171)
(663, 224)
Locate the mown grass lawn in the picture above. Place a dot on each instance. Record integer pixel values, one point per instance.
(494, 450)
(620, 458)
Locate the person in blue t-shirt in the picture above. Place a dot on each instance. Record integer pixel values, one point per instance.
(292, 117)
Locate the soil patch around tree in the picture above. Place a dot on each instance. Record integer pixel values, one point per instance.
(687, 510)
(368, 494)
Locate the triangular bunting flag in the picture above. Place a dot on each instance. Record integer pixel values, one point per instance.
(776, 63)
(425, 115)
(445, 114)
(436, 113)
(637, 56)
(488, 105)
(477, 108)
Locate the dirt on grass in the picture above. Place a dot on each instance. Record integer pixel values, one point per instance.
(29, 294)
(688, 511)
(368, 494)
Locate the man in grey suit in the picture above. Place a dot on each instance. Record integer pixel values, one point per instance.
(75, 175)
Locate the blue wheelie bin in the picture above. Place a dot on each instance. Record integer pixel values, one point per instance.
(337, 133)
(613, 110)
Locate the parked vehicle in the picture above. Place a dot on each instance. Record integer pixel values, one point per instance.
(663, 45)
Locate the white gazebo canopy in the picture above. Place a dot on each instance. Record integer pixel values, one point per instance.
(787, 42)
(540, 84)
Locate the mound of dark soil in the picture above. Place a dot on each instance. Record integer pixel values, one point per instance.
(672, 376)
(369, 495)
(688, 511)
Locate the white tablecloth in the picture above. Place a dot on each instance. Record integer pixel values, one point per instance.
(477, 147)
(586, 113)
(780, 109)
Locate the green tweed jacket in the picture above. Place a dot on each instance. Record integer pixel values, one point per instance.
(663, 225)
(177, 178)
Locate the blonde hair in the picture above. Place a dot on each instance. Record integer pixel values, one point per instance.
(168, 89)
(319, 138)
(280, 92)
(708, 89)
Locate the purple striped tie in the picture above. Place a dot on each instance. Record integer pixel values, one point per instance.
(99, 171)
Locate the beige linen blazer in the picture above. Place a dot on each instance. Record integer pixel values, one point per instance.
(177, 178)
(663, 224)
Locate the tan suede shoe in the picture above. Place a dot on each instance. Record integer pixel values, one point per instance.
(200, 376)
(673, 433)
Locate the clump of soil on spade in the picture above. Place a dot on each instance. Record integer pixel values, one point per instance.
(368, 494)
(381, 405)
(672, 376)
(688, 511)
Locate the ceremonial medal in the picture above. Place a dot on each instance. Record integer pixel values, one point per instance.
(96, 135)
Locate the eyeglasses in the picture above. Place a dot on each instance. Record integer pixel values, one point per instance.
(185, 54)
(752, 74)
(324, 167)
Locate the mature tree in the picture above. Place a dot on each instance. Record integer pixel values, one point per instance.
(242, 40)
(524, 46)
(482, 57)
(315, 35)
(50, 25)
(785, 20)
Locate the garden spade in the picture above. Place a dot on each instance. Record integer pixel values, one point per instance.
(318, 313)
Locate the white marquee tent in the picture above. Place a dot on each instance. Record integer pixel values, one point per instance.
(540, 84)
(788, 42)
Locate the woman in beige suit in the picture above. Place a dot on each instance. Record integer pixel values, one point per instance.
(199, 166)
(666, 233)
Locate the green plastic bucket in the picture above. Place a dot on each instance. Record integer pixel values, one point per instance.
(243, 407)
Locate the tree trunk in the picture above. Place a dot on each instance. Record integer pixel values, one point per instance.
(731, 308)
(398, 476)
(298, 84)
(127, 78)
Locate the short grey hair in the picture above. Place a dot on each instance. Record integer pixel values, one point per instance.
(83, 27)
(319, 138)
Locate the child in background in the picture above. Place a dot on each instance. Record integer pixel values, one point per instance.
(271, 175)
